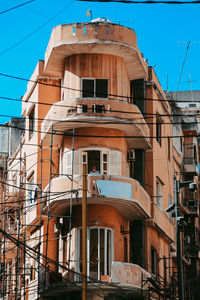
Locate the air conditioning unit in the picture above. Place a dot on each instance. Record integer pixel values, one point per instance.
(98, 109)
(131, 155)
(187, 240)
(58, 228)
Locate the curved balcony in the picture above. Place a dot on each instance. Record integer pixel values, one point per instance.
(112, 114)
(103, 38)
(162, 223)
(125, 194)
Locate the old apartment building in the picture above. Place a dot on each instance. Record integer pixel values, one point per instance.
(95, 102)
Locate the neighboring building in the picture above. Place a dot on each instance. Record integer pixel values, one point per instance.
(185, 122)
(94, 100)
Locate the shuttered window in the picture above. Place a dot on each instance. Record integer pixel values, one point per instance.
(109, 162)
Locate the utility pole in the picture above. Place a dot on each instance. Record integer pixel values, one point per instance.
(84, 232)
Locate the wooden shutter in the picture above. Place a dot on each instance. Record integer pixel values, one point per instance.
(83, 159)
(119, 163)
(68, 163)
(76, 162)
(73, 248)
(112, 162)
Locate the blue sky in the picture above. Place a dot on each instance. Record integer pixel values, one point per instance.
(160, 29)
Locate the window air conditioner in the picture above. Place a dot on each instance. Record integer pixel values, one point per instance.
(131, 154)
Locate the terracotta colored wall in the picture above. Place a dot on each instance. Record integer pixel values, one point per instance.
(96, 66)
(105, 216)
(100, 142)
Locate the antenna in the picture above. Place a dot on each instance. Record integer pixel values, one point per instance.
(89, 13)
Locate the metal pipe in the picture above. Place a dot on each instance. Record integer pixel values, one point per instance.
(84, 233)
(178, 245)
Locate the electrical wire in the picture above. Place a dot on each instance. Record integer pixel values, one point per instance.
(143, 2)
(15, 7)
(36, 30)
(81, 90)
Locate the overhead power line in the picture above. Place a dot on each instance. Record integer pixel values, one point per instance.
(143, 2)
(34, 31)
(15, 7)
(79, 90)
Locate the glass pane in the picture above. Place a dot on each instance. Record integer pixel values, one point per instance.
(108, 252)
(105, 166)
(102, 233)
(105, 157)
(101, 88)
(88, 88)
(84, 158)
(93, 250)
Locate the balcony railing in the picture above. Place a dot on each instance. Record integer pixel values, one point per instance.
(163, 223)
(192, 206)
(126, 194)
(93, 112)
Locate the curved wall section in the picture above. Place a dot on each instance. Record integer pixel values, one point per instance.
(89, 65)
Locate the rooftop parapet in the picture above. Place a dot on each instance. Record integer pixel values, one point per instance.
(107, 38)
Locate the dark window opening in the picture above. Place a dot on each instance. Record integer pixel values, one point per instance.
(31, 122)
(93, 160)
(137, 243)
(101, 88)
(154, 258)
(95, 88)
(88, 88)
(84, 108)
(158, 130)
(138, 94)
(98, 108)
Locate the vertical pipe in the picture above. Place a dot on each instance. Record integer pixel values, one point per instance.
(48, 213)
(71, 198)
(178, 245)
(40, 228)
(84, 233)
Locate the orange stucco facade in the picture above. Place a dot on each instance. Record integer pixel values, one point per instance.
(94, 100)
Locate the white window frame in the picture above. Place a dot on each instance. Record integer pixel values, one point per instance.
(114, 169)
(94, 79)
(111, 252)
(31, 190)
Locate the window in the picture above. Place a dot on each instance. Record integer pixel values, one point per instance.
(94, 88)
(154, 261)
(31, 122)
(158, 129)
(31, 190)
(105, 161)
(99, 251)
(159, 193)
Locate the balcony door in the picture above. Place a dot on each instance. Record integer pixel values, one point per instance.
(99, 251)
